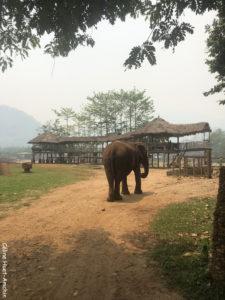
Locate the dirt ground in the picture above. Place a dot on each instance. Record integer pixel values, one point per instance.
(72, 244)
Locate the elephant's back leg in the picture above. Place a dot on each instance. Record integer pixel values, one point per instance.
(125, 189)
(117, 188)
(111, 179)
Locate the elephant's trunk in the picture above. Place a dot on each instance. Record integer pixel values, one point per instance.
(146, 168)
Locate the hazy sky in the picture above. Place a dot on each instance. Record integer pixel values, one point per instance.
(38, 84)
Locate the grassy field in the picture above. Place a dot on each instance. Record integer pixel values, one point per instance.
(29, 186)
(183, 245)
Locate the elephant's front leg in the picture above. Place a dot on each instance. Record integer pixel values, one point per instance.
(117, 195)
(125, 190)
(137, 173)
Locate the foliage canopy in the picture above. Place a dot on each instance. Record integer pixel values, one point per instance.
(104, 113)
(216, 51)
(24, 22)
(217, 142)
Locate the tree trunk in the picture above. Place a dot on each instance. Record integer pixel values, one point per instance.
(217, 266)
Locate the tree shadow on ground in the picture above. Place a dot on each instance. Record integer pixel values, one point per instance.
(184, 269)
(93, 267)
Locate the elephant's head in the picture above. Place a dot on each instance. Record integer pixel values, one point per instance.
(143, 157)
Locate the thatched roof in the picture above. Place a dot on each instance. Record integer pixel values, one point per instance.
(156, 128)
(81, 139)
(125, 136)
(160, 127)
(46, 137)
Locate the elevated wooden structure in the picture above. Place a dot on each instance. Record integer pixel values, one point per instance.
(158, 136)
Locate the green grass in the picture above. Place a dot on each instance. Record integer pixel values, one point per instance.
(30, 186)
(182, 250)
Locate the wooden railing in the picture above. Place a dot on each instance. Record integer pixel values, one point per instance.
(194, 145)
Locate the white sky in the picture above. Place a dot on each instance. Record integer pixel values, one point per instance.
(175, 84)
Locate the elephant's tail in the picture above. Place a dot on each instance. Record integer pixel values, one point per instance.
(113, 163)
(113, 166)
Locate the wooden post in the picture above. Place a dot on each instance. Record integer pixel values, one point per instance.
(164, 159)
(199, 166)
(185, 166)
(206, 158)
(173, 164)
(152, 160)
(178, 143)
(158, 160)
(33, 157)
(209, 164)
(168, 160)
(193, 166)
(179, 161)
(202, 163)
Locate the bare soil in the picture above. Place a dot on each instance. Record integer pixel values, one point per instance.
(73, 244)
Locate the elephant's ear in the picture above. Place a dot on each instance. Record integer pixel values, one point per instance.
(141, 148)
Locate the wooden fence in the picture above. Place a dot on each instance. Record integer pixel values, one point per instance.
(196, 165)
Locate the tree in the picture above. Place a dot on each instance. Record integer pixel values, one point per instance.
(104, 113)
(24, 22)
(217, 142)
(119, 111)
(54, 127)
(83, 124)
(102, 107)
(66, 113)
(217, 265)
(139, 109)
(216, 50)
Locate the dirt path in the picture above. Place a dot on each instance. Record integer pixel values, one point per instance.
(72, 244)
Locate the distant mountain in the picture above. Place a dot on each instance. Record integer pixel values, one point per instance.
(16, 127)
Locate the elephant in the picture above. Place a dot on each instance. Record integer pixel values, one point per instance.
(119, 159)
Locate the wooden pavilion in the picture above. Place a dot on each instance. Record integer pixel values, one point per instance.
(161, 138)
